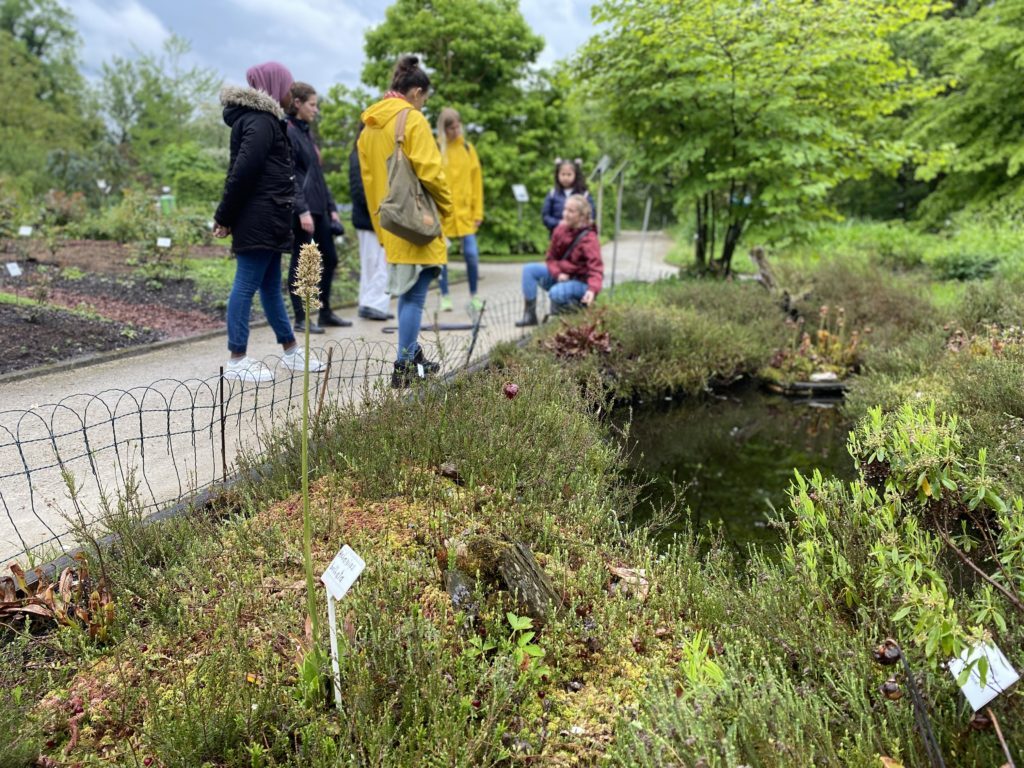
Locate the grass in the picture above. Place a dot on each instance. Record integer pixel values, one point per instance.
(706, 661)
(713, 660)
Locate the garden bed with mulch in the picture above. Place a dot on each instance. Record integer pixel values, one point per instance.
(87, 297)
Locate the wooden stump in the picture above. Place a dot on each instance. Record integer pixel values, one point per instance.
(509, 566)
(527, 582)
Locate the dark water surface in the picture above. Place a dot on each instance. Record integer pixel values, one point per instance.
(730, 460)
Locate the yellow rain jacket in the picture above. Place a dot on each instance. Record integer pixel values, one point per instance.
(462, 169)
(376, 143)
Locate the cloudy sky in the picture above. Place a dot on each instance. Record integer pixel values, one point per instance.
(321, 41)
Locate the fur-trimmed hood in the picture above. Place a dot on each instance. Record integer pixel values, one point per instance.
(249, 98)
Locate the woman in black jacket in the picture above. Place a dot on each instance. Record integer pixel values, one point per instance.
(256, 210)
(316, 215)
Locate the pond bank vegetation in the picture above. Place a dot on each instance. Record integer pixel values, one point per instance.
(659, 654)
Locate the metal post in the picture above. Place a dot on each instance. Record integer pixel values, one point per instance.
(223, 439)
(618, 223)
(643, 234)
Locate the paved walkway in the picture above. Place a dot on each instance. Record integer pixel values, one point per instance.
(159, 422)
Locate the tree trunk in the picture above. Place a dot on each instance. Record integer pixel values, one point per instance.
(700, 240)
(732, 239)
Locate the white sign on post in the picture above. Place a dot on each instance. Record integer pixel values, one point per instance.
(24, 230)
(602, 165)
(163, 242)
(520, 194)
(13, 269)
(1000, 674)
(343, 571)
(339, 577)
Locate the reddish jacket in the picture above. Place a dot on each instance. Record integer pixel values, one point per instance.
(583, 263)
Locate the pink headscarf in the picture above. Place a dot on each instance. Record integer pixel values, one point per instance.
(271, 77)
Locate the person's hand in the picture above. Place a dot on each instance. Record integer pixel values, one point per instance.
(219, 230)
(588, 298)
(477, 223)
(334, 216)
(562, 277)
(306, 222)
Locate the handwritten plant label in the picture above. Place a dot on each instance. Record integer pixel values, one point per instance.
(343, 571)
(989, 662)
(13, 269)
(24, 230)
(163, 242)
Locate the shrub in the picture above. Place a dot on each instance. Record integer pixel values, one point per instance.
(193, 185)
(955, 263)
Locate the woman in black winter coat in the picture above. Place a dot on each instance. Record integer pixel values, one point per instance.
(316, 215)
(256, 210)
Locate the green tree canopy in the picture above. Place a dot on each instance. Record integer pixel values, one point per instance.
(46, 112)
(973, 131)
(152, 101)
(481, 56)
(754, 111)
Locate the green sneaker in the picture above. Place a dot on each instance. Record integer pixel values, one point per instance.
(446, 304)
(473, 308)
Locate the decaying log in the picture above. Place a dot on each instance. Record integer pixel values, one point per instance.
(510, 566)
(764, 272)
(527, 582)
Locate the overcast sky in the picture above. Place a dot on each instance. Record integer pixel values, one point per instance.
(321, 41)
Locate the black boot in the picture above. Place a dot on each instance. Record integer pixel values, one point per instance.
(428, 365)
(529, 314)
(417, 369)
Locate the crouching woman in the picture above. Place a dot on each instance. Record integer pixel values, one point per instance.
(573, 270)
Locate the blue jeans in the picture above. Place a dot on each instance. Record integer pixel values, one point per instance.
(472, 256)
(257, 271)
(535, 274)
(410, 314)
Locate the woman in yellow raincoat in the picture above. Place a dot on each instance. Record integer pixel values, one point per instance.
(462, 170)
(411, 268)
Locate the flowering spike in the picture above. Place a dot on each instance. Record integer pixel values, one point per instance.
(307, 276)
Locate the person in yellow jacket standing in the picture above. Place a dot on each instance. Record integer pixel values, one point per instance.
(411, 268)
(462, 169)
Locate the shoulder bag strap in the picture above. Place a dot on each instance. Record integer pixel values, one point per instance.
(400, 128)
(575, 242)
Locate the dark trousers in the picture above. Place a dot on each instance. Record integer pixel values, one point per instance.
(325, 242)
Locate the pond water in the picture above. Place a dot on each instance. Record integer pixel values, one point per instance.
(731, 459)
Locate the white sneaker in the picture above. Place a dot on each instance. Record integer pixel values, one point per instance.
(295, 360)
(248, 370)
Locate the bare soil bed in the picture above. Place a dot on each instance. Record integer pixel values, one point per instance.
(85, 297)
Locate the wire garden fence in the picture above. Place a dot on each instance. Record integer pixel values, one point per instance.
(173, 439)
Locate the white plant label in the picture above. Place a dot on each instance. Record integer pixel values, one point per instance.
(339, 577)
(1000, 674)
(520, 194)
(24, 230)
(163, 242)
(342, 573)
(13, 269)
